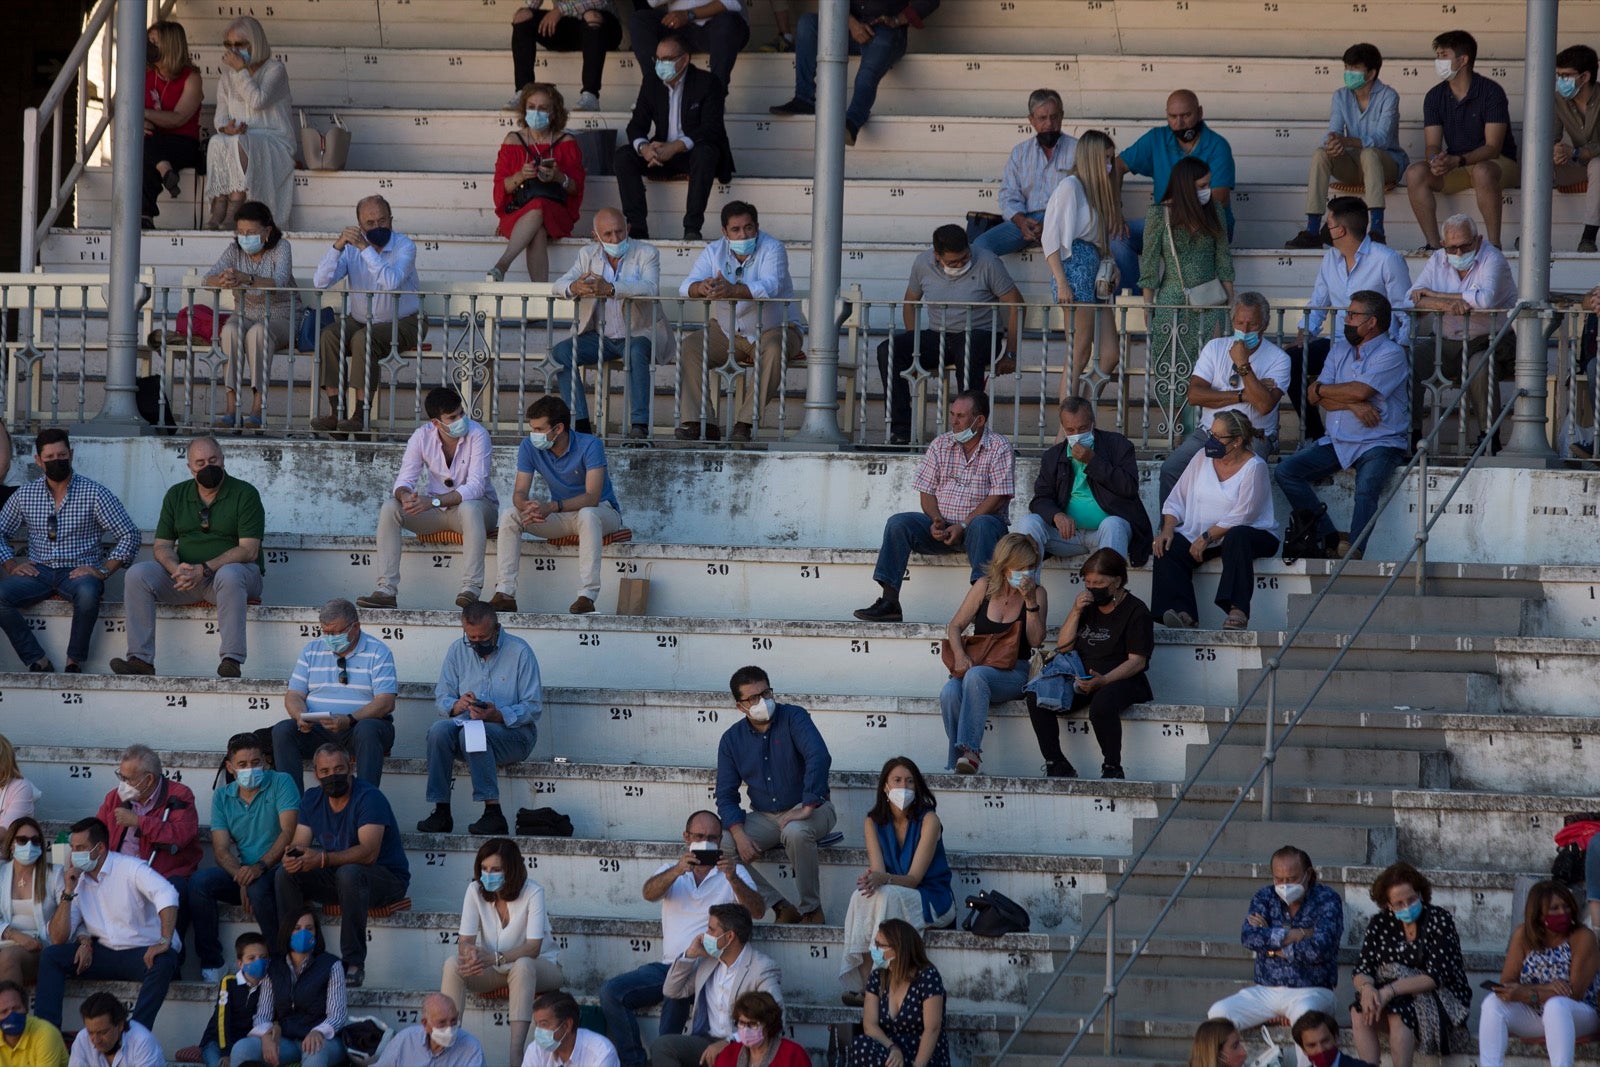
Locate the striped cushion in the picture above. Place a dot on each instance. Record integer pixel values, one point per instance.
(330, 911)
(440, 537)
(191, 1054)
(624, 534)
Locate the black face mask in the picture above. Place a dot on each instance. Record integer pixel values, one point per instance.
(1188, 136)
(485, 649)
(1099, 597)
(209, 477)
(1352, 334)
(335, 785)
(1048, 138)
(58, 470)
(152, 53)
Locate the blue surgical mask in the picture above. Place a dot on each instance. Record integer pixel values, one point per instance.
(545, 1039)
(27, 853)
(250, 777)
(537, 118)
(251, 243)
(1410, 914)
(1354, 79)
(880, 958)
(492, 881)
(243, 54)
(1215, 446)
(709, 943)
(457, 428)
(1250, 339)
(338, 644)
(83, 861)
(615, 251)
(303, 941)
(1018, 578)
(963, 436)
(666, 69)
(1084, 439)
(541, 441)
(1567, 88)
(255, 970)
(1463, 261)
(743, 246)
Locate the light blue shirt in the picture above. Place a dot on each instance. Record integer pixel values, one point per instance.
(765, 272)
(1381, 364)
(508, 678)
(1377, 127)
(368, 667)
(1378, 268)
(394, 269)
(1030, 177)
(409, 1048)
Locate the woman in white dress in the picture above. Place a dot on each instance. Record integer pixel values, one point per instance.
(251, 154)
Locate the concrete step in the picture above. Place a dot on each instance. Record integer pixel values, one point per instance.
(1321, 763)
(1247, 838)
(1487, 616)
(1418, 688)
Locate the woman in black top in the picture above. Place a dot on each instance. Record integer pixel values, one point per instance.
(1111, 631)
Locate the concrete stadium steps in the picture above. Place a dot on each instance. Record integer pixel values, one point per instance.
(1426, 689)
(1250, 838)
(1482, 616)
(1324, 763)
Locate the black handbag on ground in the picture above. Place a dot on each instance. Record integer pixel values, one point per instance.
(542, 822)
(991, 914)
(1301, 540)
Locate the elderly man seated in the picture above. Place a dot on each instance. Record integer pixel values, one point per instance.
(1035, 168)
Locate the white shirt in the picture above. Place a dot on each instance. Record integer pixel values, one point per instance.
(684, 907)
(1199, 501)
(31, 919)
(1270, 364)
(139, 1049)
(589, 1049)
(526, 920)
(674, 111)
(1488, 284)
(735, 7)
(765, 271)
(468, 473)
(390, 270)
(719, 1001)
(122, 907)
(1068, 217)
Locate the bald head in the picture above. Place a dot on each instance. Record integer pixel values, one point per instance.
(610, 226)
(438, 1010)
(1183, 112)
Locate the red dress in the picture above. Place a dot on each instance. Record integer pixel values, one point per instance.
(789, 1054)
(163, 95)
(559, 219)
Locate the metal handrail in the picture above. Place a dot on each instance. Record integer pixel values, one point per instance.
(1273, 740)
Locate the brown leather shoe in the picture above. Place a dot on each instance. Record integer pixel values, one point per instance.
(690, 431)
(813, 918)
(742, 431)
(325, 423)
(785, 912)
(465, 598)
(582, 606)
(502, 602)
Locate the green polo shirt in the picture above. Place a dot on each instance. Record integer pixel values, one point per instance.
(235, 514)
(1084, 510)
(254, 826)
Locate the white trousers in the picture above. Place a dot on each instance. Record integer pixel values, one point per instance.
(1563, 1020)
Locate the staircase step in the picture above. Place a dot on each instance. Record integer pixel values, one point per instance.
(1485, 615)
(1326, 765)
(1248, 838)
(1420, 690)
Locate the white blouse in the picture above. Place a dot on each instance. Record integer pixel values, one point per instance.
(1068, 217)
(1200, 501)
(24, 914)
(526, 921)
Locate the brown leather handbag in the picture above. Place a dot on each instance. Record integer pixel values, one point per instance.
(997, 650)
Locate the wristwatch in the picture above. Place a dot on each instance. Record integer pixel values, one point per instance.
(436, 502)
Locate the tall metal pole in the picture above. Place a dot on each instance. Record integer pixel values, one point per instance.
(821, 425)
(120, 413)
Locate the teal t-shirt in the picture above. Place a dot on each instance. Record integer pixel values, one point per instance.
(1083, 509)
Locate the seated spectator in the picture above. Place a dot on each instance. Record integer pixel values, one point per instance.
(878, 34)
(109, 1038)
(582, 502)
(913, 1033)
(783, 20)
(27, 1040)
(152, 818)
(676, 130)
(1467, 127)
(342, 692)
(1294, 928)
(1154, 155)
(776, 752)
(758, 1036)
(1548, 982)
(907, 875)
(588, 26)
(66, 516)
(1410, 980)
(172, 94)
(1221, 506)
(1364, 391)
(704, 875)
(1111, 631)
(558, 1041)
(1243, 372)
(722, 34)
(504, 942)
(538, 182)
(30, 887)
(1466, 281)
(607, 273)
(238, 998)
(1035, 168)
(1009, 602)
(17, 794)
(251, 154)
(208, 547)
(373, 256)
(1355, 262)
(1217, 1044)
(121, 925)
(489, 677)
(455, 455)
(733, 273)
(958, 337)
(257, 261)
(1577, 154)
(346, 851)
(1316, 1035)
(253, 819)
(301, 1007)
(436, 1039)
(1086, 496)
(1362, 146)
(1186, 247)
(1076, 239)
(714, 971)
(965, 481)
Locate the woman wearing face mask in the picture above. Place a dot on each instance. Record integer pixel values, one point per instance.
(1217, 1044)
(1221, 506)
(302, 1005)
(257, 261)
(1008, 600)
(538, 182)
(907, 875)
(505, 940)
(17, 794)
(251, 156)
(1076, 224)
(902, 1021)
(1410, 979)
(1548, 984)
(172, 94)
(1185, 246)
(758, 1035)
(30, 887)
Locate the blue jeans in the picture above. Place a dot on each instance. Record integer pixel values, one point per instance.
(622, 996)
(209, 888)
(912, 531)
(56, 964)
(1005, 238)
(590, 346)
(964, 702)
(1126, 251)
(878, 56)
(1112, 533)
(368, 742)
(1372, 468)
(507, 744)
(24, 591)
(330, 1054)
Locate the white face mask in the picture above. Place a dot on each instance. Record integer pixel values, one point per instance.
(1290, 894)
(761, 710)
(127, 791)
(1204, 195)
(1444, 68)
(902, 798)
(956, 272)
(443, 1036)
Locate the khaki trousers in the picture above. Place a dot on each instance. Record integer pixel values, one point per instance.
(589, 524)
(361, 341)
(775, 344)
(523, 979)
(1374, 169)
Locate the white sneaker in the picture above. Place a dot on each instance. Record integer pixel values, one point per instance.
(587, 102)
(514, 103)
(212, 975)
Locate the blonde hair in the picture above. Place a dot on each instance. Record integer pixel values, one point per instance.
(8, 762)
(1094, 151)
(260, 50)
(1238, 424)
(1208, 1041)
(558, 105)
(1015, 552)
(173, 44)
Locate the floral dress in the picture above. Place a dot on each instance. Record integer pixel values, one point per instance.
(1554, 964)
(1439, 1018)
(1177, 333)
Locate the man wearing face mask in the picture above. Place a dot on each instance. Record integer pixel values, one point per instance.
(436, 1040)
(1316, 1035)
(1035, 168)
(342, 691)
(208, 547)
(716, 971)
(152, 818)
(121, 926)
(491, 678)
(1086, 496)
(67, 517)
(346, 851)
(558, 1041)
(1294, 927)
(374, 257)
(443, 484)
(1577, 153)
(26, 1040)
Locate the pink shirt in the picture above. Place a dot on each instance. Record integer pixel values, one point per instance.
(961, 482)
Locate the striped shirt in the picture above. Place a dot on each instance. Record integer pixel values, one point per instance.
(1030, 178)
(71, 536)
(335, 1012)
(369, 667)
(961, 482)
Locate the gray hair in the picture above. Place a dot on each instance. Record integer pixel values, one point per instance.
(259, 48)
(1256, 303)
(144, 756)
(1077, 405)
(1045, 96)
(373, 199)
(328, 748)
(477, 613)
(205, 439)
(1460, 221)
(336, 611)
